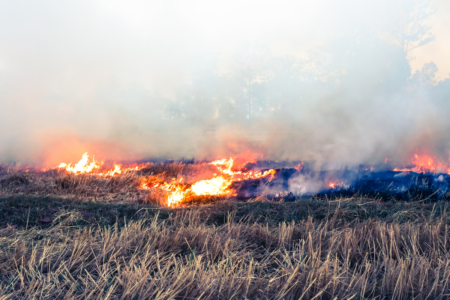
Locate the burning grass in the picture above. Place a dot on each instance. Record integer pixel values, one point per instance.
(84, 236)
(308, 249)
(123, 187)
(167, 184)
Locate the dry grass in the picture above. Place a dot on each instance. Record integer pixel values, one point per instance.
(351, 248)
(186, 256)
(19, 180)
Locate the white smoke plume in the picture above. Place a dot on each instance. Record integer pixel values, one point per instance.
(323, 81)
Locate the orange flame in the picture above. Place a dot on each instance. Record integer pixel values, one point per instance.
(116, 171)
(217, 186)
(299, 167)
(178, 192)
(83, 166)
(424, 164)
(86, 167)
(334, 184)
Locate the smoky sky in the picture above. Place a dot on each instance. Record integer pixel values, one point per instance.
(324, 81)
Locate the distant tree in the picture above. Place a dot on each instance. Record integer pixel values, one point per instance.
(407, 24)
(426, 76)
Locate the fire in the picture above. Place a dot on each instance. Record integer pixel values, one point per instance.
(424, 164)
(225, 166)
(177, 191)
(334, 184)
(214, 186)
(299, 167)
(83, 166)
(116, 171)
(219, 185)
(93, 167)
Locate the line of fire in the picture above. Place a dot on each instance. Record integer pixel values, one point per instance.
(244, 177)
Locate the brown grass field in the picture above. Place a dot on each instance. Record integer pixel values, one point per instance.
(83, 237)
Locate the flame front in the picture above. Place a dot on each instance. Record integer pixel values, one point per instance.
(93, 167)
(177, 191)
(83, 166)
(215, 186)
(116, 171)
(424, 164)
(219, 185)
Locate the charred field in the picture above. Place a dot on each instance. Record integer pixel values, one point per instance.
(80, 236)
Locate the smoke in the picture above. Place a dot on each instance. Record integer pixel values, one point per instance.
(324, 82)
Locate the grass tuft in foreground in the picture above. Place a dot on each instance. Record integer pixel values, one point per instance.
(347, 249)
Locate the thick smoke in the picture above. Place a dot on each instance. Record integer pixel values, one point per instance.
(334, 81)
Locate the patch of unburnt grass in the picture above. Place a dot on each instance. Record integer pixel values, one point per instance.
(20, 210)
(307, 249)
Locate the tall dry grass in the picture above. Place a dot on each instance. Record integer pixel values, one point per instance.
(186, 257)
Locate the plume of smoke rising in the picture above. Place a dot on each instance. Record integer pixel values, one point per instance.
(292, 80)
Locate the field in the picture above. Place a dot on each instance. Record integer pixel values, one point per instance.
(77, 237)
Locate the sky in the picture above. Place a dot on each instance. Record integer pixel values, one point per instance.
(436, 51)
(96, 75)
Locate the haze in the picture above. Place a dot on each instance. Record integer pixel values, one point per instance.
(326, 81)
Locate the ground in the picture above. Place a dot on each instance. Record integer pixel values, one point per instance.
(59, 247)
